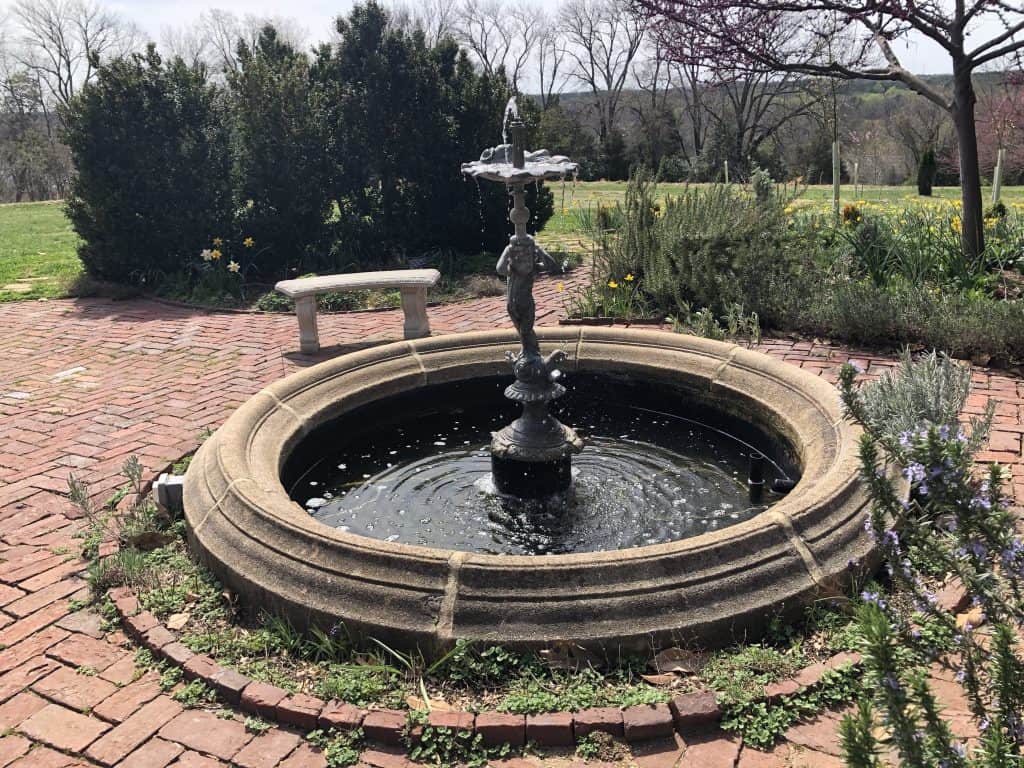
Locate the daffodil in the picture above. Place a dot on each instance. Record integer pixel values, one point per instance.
(612, 284)
(217, 242)
(248, 242)
(206, 254)
(215, 254)
(629, 278)
(233, 266)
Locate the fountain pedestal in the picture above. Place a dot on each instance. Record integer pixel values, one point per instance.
(531, 457)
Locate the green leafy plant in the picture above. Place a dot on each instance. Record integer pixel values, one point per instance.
(340, 748)
(192, 694)
(256, 725)
(448, 747)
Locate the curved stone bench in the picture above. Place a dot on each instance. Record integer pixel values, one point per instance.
(413, 284)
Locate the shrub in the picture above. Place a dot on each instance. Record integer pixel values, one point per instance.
(763, 185)
(707, 247)
(926, 171)
(956, 522)
(150, 145)
(401, 118)
(931, 390)
(281, 165)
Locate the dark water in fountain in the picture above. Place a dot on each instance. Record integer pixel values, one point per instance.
(416, 469)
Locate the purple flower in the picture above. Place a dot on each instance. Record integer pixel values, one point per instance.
(914, 472)
(873, 597)
(891, 539)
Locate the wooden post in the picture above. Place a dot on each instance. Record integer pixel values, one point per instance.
(837, 173)
(856, 174)
(997, 177)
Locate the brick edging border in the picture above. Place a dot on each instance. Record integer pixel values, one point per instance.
(638, 723)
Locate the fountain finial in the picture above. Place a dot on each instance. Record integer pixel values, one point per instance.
(518, 131)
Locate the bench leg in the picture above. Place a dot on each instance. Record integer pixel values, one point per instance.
(414, 305)
(309, 337)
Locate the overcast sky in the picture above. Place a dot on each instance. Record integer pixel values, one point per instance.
(315, 16)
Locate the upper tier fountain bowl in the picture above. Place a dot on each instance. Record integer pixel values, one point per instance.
(710, 588)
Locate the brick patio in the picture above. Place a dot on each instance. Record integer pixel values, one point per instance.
(84, 384)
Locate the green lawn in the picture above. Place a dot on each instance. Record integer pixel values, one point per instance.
(37, 252)
(37, 245)
(593, 193)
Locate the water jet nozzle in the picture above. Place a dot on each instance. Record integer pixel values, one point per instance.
(518, 130)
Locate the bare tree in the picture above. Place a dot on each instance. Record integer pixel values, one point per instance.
(61, 41)
(481, 29)
(189, 42)
(917, 126)
(500, 36)
(604, 37)
(854, 39)
(753, 106)
(551, 64)
(436, 18)
(655, 80)
(214, 37)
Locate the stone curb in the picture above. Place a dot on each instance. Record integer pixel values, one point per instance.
(684, 713)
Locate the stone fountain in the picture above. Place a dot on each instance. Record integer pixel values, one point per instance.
(655, 545)
(531, 457)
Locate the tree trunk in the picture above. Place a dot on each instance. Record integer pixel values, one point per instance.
(972, 233)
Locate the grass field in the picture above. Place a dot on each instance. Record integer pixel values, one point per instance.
(37, 252)
(569, 198)
(37, 244)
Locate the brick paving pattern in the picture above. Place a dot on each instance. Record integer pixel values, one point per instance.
(84, 384)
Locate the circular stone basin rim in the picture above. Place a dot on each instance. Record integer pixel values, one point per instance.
(264, 545)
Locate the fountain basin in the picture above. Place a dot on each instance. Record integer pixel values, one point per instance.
(711, 589)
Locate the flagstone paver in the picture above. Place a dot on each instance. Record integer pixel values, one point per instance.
(84, 384)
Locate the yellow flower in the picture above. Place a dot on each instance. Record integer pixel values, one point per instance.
(629, 278)
(612, 284)
(248, 242)
(233, 266)
(215, 254)
(560, 287)
(217, 242)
